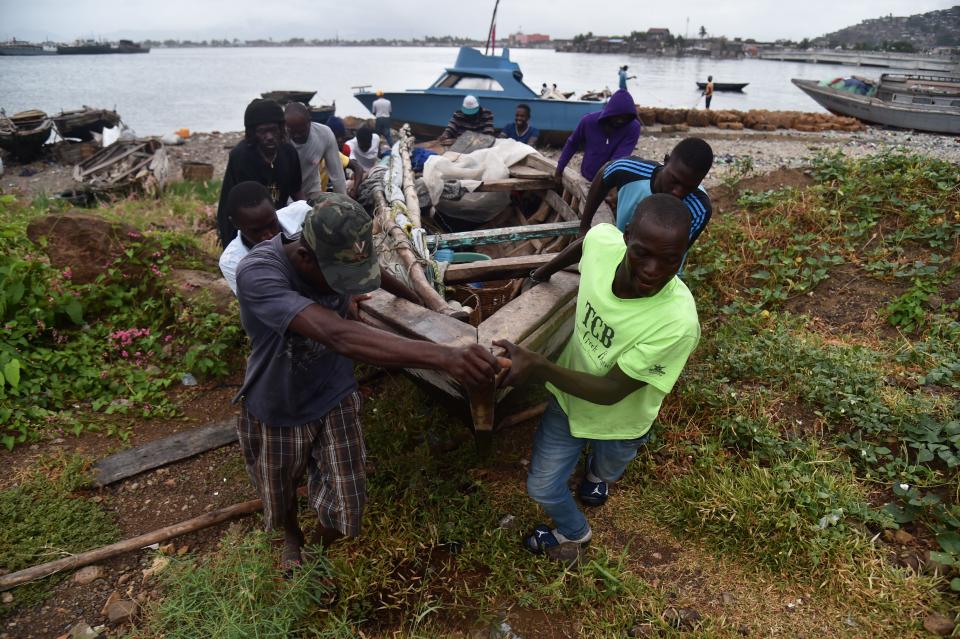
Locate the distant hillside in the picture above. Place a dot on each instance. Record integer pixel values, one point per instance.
(920, 31)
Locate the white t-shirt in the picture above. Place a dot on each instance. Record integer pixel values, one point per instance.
(366, 159)
(291, 222)
(321, 146)
(381, 108)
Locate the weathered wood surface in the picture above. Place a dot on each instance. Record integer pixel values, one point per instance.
(499, 269)
(129, 545)
(521, 316)
(566, 212)
(164, 451)
(554, 331)
(516, 184)
(415, 321)
(506, 234)
(529, 172)
(517, 418)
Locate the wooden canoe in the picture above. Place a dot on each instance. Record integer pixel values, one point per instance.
(540, 318)
(24, 134)
(283, 97)
(83, 123)
(723, 86)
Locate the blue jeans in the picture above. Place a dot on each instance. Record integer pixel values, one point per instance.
(383, 130)
(555, 455)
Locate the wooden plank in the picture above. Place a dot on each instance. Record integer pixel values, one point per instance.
(529, 172)
(415, 322)
(164, 451)
(516, 184)
(564, 210)
(522, 316)
(506, 234)
(550, 337)
(503, 268)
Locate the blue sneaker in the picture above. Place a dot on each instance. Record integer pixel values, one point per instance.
(592, 493)
(543, 540)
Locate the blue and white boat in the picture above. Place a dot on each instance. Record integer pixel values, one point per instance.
(498, 83)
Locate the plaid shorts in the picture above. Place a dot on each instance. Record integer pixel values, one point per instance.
(329, 451)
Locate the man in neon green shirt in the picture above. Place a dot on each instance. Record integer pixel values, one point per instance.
(636, 324)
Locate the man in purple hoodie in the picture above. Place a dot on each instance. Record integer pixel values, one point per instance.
(603, 136)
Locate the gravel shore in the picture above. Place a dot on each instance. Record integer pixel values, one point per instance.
(767, 151)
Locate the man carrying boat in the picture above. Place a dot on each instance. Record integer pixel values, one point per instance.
(520, 129)
(635, 326)
(603, 136)
(680, 175)
(300, 409)
(470, 117)
(315, 144)
(263, 156)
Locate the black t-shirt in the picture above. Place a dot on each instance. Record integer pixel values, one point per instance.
(282, 179)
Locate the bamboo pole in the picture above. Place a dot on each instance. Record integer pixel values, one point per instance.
(128, 545)
(409, 189)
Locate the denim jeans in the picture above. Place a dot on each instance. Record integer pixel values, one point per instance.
(383, 130)
(555, 455)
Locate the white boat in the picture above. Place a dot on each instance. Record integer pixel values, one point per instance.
(922, 102)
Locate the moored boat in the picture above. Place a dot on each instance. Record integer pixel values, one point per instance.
(15, 47)
(724, 86)
(24, 134)
(498, 83)
(83, 123)
(86, 47)
(283, 97)
(323, 112)
(921, 102)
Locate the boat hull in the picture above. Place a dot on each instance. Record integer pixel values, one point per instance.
(879, 112)
(26, 143)
(83, 123)
(428, 113)
(723, 86)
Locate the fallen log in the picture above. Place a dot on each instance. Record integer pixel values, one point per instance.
(129, 545)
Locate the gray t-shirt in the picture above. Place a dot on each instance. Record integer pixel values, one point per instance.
(321, 144)
(290, 380)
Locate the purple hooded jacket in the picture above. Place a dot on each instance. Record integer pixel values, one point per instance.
(599, 147)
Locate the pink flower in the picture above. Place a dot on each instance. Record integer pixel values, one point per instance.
(124, 354)
(168, 338)
(67, 273)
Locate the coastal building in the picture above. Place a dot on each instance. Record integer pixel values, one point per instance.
(531, 40)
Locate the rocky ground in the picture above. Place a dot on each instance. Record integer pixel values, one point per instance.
(766, 151)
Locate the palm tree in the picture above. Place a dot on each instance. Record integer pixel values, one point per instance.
(703, 32)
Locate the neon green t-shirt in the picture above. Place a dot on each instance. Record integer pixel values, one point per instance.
(649, 337)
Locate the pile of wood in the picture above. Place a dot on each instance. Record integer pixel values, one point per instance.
(125, 166)
(757, 119)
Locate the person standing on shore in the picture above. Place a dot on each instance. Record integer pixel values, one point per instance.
(623, 77)
(708, 91)
(299, 403)
(635, 326)
(381, 111)
(264, 156)
(315, 145)
(603, 136)
(520, 129)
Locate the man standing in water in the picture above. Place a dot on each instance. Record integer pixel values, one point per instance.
(264, 156)
(623, 77)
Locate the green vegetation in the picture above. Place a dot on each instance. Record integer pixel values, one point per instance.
(818, 417)
(42, 521)
(77, 357)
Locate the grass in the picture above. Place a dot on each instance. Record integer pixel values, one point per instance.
(789, 447)
(44, 520)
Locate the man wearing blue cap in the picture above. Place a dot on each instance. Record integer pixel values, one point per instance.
(470, 117)
(300, 409)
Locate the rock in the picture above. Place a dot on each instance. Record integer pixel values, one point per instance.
(937, 624)
(682, 618)
(82, 630)
(7, 598)
(931, 567)
(86, 244)
(902, 537)
(743, 630)
(88, 574)
(112, 599)
(195, 285)
(159, 565)
(642, 630)
(123, 579)
(727, 598)
(121, 611)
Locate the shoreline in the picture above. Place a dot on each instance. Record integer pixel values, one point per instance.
(767, 150)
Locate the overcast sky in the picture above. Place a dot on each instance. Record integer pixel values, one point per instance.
(65, 20)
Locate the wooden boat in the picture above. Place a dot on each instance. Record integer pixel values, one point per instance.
(125, 166)
(540, 318)
(24, 134)
(283, 97)
(922, 102)
(723, 86)
(83, 123)
(322, 113)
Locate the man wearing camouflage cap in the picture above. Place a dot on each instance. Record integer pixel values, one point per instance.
(300, 409)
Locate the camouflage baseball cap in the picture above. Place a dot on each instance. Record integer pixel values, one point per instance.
(340, 233)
